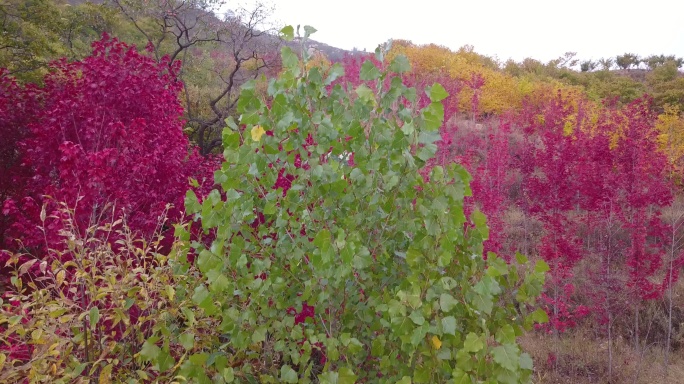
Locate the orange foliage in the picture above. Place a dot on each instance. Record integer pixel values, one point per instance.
(318, 59)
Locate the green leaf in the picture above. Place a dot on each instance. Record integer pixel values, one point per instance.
(520, 258)
(378, 347)
(487, 286)
(94, 316)
(482, 303)
(309, 30)
(289, 58)
(204, 300)
(346, 376)
(400, 64)
(287, 33)
(192, 204)
(449, 325)
(422, 374)
(369, 71)
(187, 340)
(365, 94)
(323, 239)
(427, 152)
(437, 93)
(362, 259)
(228, 374)
(79, 369)
(270, 209)
(447, 302)
(507, 356)
(480, 221)
(505, 376)
(329, 377)
(417, 318)
(473, 343)
(288, 375)
(541, 267)
(418, 335)
(506, 334)
(433, 115)
(538, 316)
(207, 261)
(496, 266)
(408, 128)
(335, 72)
(149, 350)
(259, 335)
(460, 377)
(525, 361)
(165, 361)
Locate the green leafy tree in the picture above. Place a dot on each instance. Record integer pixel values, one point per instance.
(608, 85)
(334, 258)
(588, 65)
(667, 85)
(85, 23)
(606, 63)
(655, 61)
(30, 36)
(36, 32)
(679, 61)
(627, 60)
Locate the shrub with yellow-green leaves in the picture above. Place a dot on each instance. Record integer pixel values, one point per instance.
(92, 307)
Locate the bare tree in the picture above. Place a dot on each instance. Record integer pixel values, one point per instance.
(242, 42)
(568, 60)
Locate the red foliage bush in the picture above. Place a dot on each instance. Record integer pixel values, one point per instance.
(103, 135)
(593, 186)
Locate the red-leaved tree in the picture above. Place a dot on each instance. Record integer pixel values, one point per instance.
(103, 135)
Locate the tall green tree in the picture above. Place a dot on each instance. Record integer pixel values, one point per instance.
(588, 65)
(336, 258)
(627, 60)
(606, 63)
(30, 36)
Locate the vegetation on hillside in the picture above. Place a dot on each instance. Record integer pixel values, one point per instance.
(188, 197)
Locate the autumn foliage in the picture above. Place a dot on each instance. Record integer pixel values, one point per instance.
(577, 183)
(103, 135)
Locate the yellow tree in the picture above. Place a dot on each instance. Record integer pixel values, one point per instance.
(670, 124)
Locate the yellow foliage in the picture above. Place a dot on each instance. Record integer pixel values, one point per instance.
(436, 342)
(257, 132)
(500, 92)
(670, 124)
(320, 60)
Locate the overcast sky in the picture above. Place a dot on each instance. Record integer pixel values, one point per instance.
(541, 29)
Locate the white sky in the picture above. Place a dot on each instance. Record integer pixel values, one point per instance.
(541, 29)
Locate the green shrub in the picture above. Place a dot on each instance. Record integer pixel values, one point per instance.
(336, 269)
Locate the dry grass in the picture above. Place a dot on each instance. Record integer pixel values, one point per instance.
(581, 359)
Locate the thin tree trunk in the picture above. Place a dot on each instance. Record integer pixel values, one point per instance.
(677, 214)
(669, 299)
